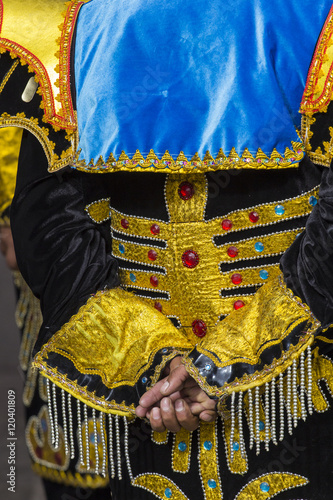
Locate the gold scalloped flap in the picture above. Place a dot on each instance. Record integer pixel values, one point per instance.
(40, 35)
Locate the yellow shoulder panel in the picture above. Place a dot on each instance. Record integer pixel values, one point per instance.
(10, 142)
(40, 33)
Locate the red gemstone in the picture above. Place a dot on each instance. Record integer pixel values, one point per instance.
(152, 255)
(238, 304)
(39, 452)
(155, 229)
(124, 223)
(236, 279)
(254, 217)
(154, 280)
(190, 259)
(186, 190)
(232, 252)
(226, 224)
(199, 328)
(158, 306)
(58, 458)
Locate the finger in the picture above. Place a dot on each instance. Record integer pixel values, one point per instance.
(141, 411)
(156, 420)
(198, 407)
(175, 381)
(185, 417)
(152, 396)
(168, 414)
(208, 416)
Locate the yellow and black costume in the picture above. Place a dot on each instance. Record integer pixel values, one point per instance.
(181, 178)
(52, 464)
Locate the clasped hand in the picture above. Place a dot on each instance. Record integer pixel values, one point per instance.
(176, 402)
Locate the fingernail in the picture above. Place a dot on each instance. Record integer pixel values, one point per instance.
(164, 387)
(142, 400)
(165, 403)
(155, 413)
(179, 405)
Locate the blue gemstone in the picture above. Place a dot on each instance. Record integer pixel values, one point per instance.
(133, 277)
(164, 350)
(92, 438)
(261, 426)
(182, 446)
(279, 209)
(235, 446)
(211, 483)
(121, 248)
(208, 367)
(43, 424)
(168, 493)
(208, 445)
(259, 247)
(144, 380)
(263, 274)
(313, 201)
(265, 487)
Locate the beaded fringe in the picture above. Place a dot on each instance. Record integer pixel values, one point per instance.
(270, 412)
(268, 423)
(98, 440)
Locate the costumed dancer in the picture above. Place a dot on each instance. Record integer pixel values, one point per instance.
(178, 211)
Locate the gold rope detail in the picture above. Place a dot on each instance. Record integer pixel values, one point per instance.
(8, 75)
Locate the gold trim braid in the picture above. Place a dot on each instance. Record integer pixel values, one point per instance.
(290, 158)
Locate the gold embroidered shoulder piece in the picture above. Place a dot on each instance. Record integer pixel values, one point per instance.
(39, 37)
(317, 97)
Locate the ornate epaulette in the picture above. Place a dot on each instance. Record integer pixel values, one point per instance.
(37, 39)
(316, 105)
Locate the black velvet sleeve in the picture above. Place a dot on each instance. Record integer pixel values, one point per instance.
(62, 254)
(308, 264)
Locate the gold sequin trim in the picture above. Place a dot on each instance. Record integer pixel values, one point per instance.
(69, 479)
(269, 485)
(208, 461)
(160, 437)
(181, 451)
(99, 211)
(158, 484)
(183, 164)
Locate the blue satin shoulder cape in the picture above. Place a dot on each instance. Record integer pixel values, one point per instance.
(192, 75)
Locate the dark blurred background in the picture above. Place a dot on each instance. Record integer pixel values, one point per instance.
(28, 485)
